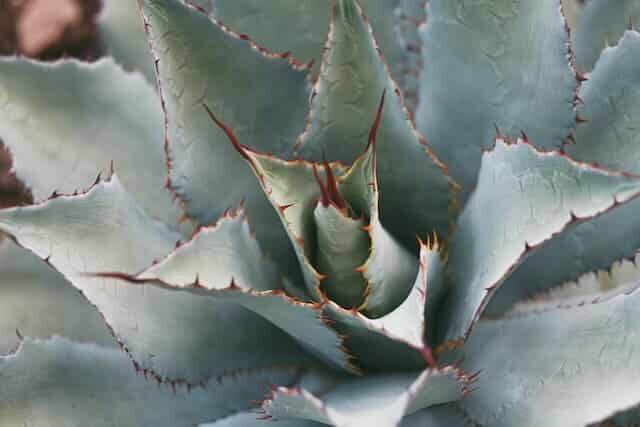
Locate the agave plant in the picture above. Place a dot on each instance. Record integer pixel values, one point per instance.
(409, 230)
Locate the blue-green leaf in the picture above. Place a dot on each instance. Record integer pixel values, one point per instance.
(80, 118)
(601, 24)
(524, 197)
(251, 419)
(223, 265)
(202, 63)
(381, 400)
(307, 25)
(565, 367)
(121, 30)
(57, 382)
(611, 138)
(36, 301)
(399, 335)
(345, 99)
(184, 336)
(520, 78)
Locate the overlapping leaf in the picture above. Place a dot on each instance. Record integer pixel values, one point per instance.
(307, 25)
(57, 382)
(216, 265)
(399, 335)
(611, 137)
(80, 118)
(601, 24)
(380, 400)
(524, 197)
(173, 336)
(251, 419)
(122, 32)
(345, 98)
(493, 63)
(36, 301)
(565, 367)
(199, 62)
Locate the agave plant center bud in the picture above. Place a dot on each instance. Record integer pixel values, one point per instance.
(342, 245)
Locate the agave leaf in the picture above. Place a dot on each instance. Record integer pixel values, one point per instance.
(292, 188)
(342, 245)
(37, 301)
(399, 335)
(524, 197)
(205, 173)
(389, 269)
(611, 104)
(414, 8)
(305, 33)
(589, 289)
(345, 98)
(625, 418)
(601, 24)
(411, 14)
(251, 419)
(521, 78)
(217, 255)
(57, 382)
(235, 261)
(448, 415)
(104, 230)
(583, 357)
(72, 116)
(122, 32)
(380, 400)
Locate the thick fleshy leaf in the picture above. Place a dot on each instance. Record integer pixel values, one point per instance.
(611, 104)
(218, 255)
(389, 269)
(61, 383)
(202, 63)
(237, 274)
(521, 79)
(398, 336)
(589, 288)
(411, 14)
(626, 418)
(183, 337)
(36, 301)
(346, 95)
(293, 190)
(381, 400)
(307, 25)
(342, 246)
(572, 10)
(438, 416)
(251, 419)
(566, 367)
(601, 24)
(300, 196)
(524, 197)
(80, 118)
(307, 22)
(121, 30)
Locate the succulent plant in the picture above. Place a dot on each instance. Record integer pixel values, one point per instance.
(409, 230)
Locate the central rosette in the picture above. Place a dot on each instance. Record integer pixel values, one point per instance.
(330, 212)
